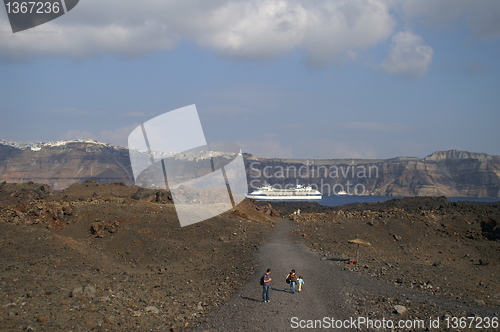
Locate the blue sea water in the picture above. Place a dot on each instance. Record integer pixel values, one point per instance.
(348, 199)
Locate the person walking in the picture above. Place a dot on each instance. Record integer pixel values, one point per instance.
(293, 280)
(300, 282)
(266, 286)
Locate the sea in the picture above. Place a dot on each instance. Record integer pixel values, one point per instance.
(348, 199)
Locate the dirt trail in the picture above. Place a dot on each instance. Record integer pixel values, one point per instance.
(320, 297)
(330, 290)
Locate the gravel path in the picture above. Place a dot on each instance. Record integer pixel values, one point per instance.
(330, 290)
(320, 297)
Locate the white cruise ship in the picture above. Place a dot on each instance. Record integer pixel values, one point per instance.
(298, 193)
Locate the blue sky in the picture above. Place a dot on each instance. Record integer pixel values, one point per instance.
(302, 79)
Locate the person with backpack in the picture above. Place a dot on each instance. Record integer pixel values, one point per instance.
(265, 281)
(292, 280)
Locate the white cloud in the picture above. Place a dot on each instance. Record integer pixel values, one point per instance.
(409, 55)
(247, 29)
(335, 27)
(90, 29)
(254, 29)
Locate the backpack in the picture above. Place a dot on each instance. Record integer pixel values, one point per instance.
(287, 280)
(262, 281)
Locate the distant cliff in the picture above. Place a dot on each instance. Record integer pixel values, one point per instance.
(443, 173)
(61, 164)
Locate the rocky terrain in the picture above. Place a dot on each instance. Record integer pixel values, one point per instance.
(114, 258)
(444, 248)
(444, 173)
(336, 291)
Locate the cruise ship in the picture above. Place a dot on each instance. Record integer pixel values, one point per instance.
(298, 193)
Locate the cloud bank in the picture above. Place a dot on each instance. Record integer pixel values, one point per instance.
(249, 30)
(246, 30)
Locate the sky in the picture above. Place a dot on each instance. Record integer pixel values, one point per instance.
(289, 79)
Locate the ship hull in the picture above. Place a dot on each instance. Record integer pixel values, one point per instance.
(285, 198)
(300, 193)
